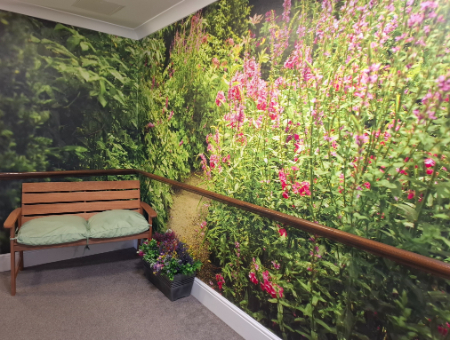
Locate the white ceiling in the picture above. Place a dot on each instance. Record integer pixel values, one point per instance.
(133, 19)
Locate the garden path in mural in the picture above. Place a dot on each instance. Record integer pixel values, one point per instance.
(186, 219)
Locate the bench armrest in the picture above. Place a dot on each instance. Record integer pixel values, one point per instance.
(151, 213)
(12, 218)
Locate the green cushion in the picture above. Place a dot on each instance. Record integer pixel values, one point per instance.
(116, 223)
(53, 230)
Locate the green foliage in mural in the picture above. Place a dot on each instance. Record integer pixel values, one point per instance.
(25, 141)
(336, 112)
(198, 67)
(77, 99)
(228, 19)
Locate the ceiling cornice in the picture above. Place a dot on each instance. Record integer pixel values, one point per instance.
(171, 15)
(168, 17)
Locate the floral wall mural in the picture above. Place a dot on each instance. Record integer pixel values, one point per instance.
(337, 114)
(333, 111)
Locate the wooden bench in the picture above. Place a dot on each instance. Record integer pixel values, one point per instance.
(83, 199)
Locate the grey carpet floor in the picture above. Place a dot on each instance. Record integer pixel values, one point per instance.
(103, 296)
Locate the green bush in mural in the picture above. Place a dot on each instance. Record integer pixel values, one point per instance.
(77, 99)
(350, 130)
(25, 140)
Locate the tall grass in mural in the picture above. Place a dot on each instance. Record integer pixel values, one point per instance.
(350, 130)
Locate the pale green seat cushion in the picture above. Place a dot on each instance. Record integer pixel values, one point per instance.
(116, 223)
(52, 230)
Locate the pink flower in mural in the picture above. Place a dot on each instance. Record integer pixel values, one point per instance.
(282, 232)
(230, 41)
(429, 162)
(255, 264)
(272, 288)
(367, 185)
(213, 161)
(444, 83)
(215, 62)
(301, 188)
(170, 115)
(253, 278)
(361, 139)
(287, 10)
(429, 171)
(291, 62)
(282, 176)
(150, 125)
(180, 143)
(411, 194)
(420, 116)
(220, 99)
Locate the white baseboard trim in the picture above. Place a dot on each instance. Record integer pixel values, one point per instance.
(37, 257)
(5, 262)
(237, 319)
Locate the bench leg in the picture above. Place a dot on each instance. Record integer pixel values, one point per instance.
(13, 272)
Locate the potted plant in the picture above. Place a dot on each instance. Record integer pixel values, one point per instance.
(169, 265)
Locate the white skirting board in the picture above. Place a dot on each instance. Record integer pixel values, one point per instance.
(37, 257)
(237, 319)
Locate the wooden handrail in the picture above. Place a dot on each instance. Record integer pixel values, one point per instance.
(404, 257)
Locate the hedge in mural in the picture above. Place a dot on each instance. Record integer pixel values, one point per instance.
(339, 115)
(76, 99)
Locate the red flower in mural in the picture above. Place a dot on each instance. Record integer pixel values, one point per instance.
(253, 278)
(367, 185)
(220, 281)
(283, 232)
(444, 329)
(429, 162)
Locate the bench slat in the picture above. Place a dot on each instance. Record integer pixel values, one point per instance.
(79, 186)
(86, 216)
(81, 196)
(61, 208)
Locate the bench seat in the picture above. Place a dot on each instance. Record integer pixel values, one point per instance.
(65, 214)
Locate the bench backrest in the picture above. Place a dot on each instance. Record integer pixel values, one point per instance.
(78, 198)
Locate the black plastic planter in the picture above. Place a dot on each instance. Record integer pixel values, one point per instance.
(180, 287)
